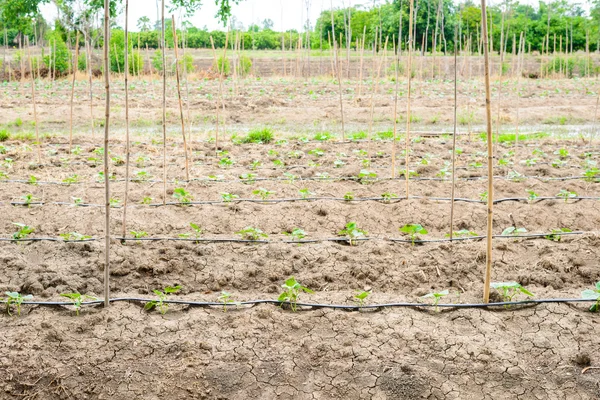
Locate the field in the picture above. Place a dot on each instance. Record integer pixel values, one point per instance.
(306, 178)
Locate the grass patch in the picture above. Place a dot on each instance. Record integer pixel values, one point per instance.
(512, 137)
(323, 136)
(362, 135)
(4, 135)
(264, 135)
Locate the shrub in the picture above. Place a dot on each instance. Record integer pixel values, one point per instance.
(62, 57)
(4, 135)
(245, 65)
(222, 65)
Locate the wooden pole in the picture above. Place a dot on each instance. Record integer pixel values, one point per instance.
(106, 176)
(452, 195)
(337, 70)
(185, 148)
(490, 202)
(127, 139)
(220, 94)
(89, 68)
(37, 132)
(164, 102)
(73, 90)
(409, 86)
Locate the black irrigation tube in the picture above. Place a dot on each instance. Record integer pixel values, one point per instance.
(307, 199)
(252, 303)
(310, 179)
(304, 241)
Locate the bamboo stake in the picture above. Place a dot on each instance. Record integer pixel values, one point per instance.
(185, 148)
(409, 84)
(220, 94)
(519, 73)
(89, 68)
(452, 195)
(73, 90)
(372, 103)
(362, 54)
(337, 69)
(35, 119)
(164, 102)
(127, 139)
(106, 176)
(490, 202)
(395, 116)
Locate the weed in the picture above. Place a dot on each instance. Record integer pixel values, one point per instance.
(361, 297)
(23, 232)
(78, 299)
(436, 296)
(413, 230)
(291, 292)
(182, 195)
(4, 135)
(555, 235)
(262, 193)
(250, 233)
(508, 290)
(159, 303)
(593, 294)
(566, 195)
(226, 299)
(352, 232)
(74, 236)
(15, 299)
(264, 135)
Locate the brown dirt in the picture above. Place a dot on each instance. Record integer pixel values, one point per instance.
(266, 352)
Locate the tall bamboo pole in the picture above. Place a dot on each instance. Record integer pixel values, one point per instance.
(488, 110)
(337, 70)
(106, 176)
(453, 192)
(185, 147)
(73, 90)
(164, 102)
(89, 68)
(395, 116)
(37, 132)
(221, 69)
(127, 141)
(409, 86)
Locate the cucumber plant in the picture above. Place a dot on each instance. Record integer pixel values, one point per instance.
(566, 195)
(229, 197)
(509, 290)
(262, 193)
(413, 231)
(15, 299)
(361, 297)
(159, 302)
(23, 232)
(352, 232)
(226, 299)
(296, 233)
(291, 293)
(513, 231)
(74, 236)
(555, 235)
(182, 195)
(251, 233)
(593, 294)
(436, 297)
(78, 299)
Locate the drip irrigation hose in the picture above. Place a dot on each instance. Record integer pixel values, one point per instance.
(303, 241)
(311, 305)
(307, 199)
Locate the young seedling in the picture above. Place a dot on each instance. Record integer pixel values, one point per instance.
(28, 199)
(436, 296)
(593, 294)
(74, 236)
(413, 230)
(71, 179)
(562, 153)
(23, 232)
(32, 180)
(159, 303)
(197, 230)
(291, 293)
(248, 178)
(483, 197)
(338, 164)
(262, 193)
(226, 299)
(387, 197)
(146, 200)
(513, 231)
(352, 232)
(182, 195)
(305, 193)
(114, 202)
(78, 299)
(296, 233)
(15, 299)
(228, 197)
(566, 195)
(226, 162)
(531, 195)
(508, 290)
(138, 234)
(462, 233)
(255, 164)
(555, 235)
(349, 196)
(361, 297)
(250, 233)
(515, 176)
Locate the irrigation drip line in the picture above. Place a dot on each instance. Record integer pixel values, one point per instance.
(252, 303)
(307, 199)
(309, 179)
(304, 241)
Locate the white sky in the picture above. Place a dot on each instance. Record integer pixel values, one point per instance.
(289, 14)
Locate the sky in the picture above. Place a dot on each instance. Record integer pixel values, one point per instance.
(286, 14)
